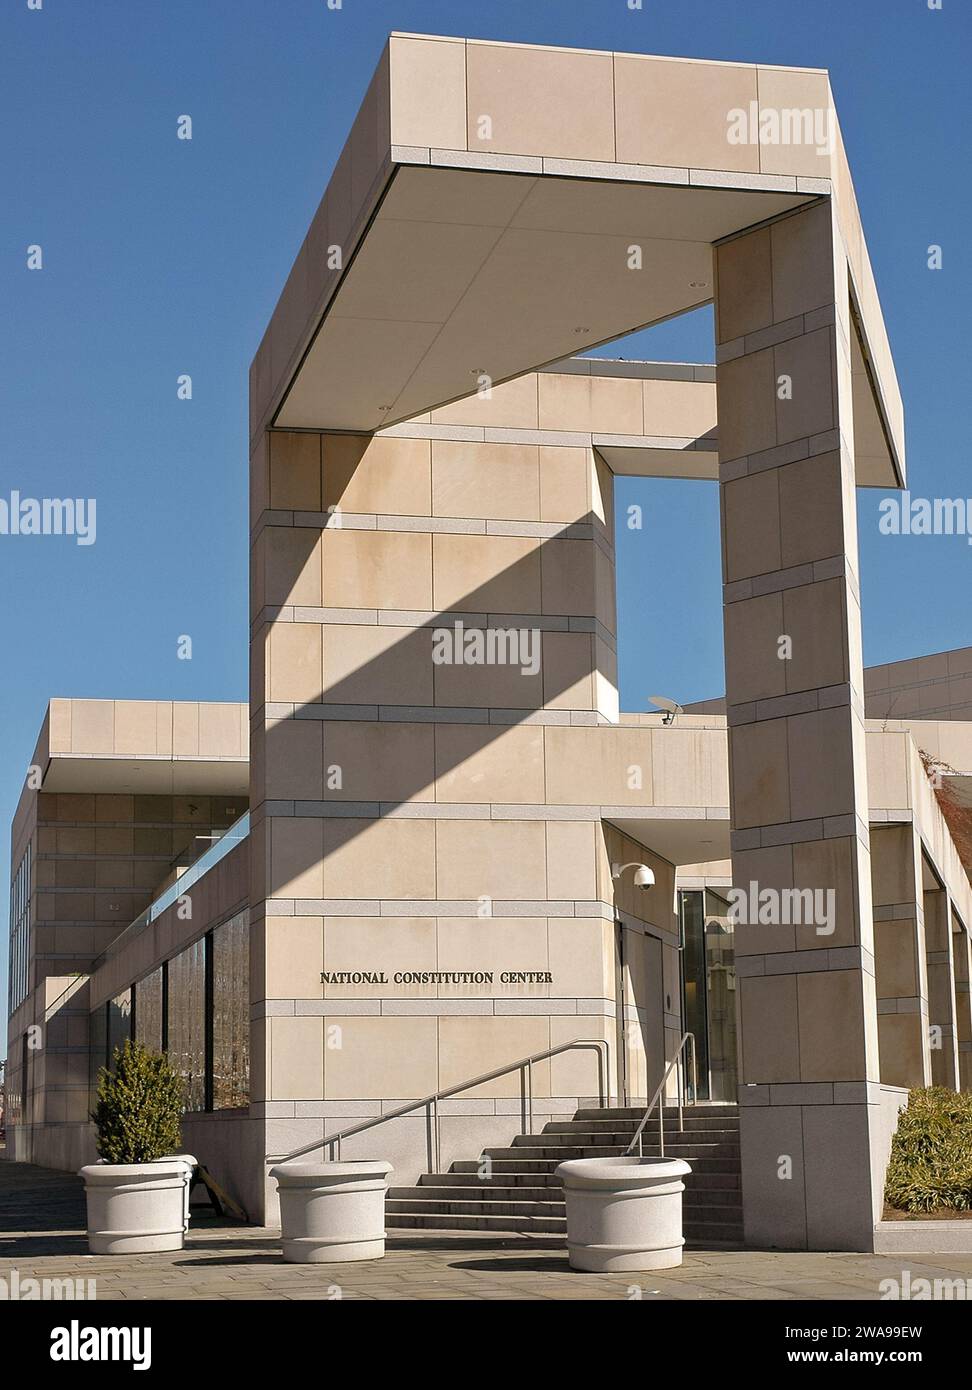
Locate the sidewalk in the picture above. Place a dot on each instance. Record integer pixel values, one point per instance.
(42, 1236)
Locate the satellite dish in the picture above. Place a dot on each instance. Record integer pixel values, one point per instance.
(671, 707)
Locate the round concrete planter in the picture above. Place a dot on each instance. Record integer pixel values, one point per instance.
(624, 1213)
(332, 1212)
(137, 1208)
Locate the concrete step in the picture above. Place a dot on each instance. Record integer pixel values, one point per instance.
(693, 1209)
(487, 1192)
(694, 1153)
(676, 1146)
(562, 1152)
(719, 1189)
(523, 1194)
(691, 1114)
(713, 1198)
(405, 1206)
(629, 1123)
(469, 1177)
(451, 1221)
(714, 1205)
(696, 1232)
(554, 1153)
(696, 1225)
(721, 1178)
(628, 1127)
(522, 1161)
(708, 1235)
(636, 1112)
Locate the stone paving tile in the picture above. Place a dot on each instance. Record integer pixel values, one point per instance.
(42, 1235)
(828, 1289)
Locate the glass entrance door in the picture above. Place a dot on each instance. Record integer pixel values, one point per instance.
(709, 990)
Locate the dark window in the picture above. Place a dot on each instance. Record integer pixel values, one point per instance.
(186, 1011)
(231, 1013)
(25, 1105)
(119, 1022)
(148, 1011)
(98, 1049)
(195, 1007)
(18, 978)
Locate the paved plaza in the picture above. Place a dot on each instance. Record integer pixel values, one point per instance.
(42, 1237)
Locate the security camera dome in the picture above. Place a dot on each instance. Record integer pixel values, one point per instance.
(644, 878)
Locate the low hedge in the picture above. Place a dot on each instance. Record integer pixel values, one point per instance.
(931, 1154)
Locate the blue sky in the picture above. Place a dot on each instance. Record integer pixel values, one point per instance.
(164, 257)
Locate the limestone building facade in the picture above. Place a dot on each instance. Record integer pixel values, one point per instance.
(445, 808)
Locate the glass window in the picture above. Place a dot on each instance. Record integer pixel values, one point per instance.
(694, 1017)
(119, 1022)
(186, 1033)
(709, 990)
(231, 1013)
(19, 933)
(148, 1011)
(23, 1098)
(720, 971)
(98, 1049)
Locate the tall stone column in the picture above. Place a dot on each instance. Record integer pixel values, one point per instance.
(900, 955)
(962, 962)
(794, 682)
(941, 989)
(417, 917)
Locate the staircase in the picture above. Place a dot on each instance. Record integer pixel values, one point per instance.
(522, 1193)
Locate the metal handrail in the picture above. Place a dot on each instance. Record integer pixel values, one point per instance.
(686, 1037)
(431, 1103)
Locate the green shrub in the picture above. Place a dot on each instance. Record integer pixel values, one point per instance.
(931, 1154)
(140, 1104)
